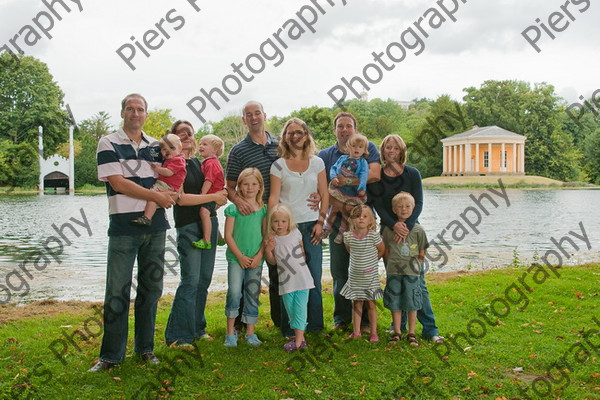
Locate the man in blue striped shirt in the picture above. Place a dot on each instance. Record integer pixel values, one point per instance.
(124, 164)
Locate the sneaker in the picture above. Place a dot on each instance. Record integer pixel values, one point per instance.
(101, 366)
(205, 336)
(150, 358)
(202, 244)
(437, 339)
(253, 340)
(340, 327)
(142, 221)
(231, 340)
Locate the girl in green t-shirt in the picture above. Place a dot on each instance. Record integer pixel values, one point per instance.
(244, 235)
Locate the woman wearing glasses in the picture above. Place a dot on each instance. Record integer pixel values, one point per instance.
(295, 176)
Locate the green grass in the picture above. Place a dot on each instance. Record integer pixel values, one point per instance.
(535, 330)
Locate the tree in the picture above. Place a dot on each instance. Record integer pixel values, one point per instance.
(230, 129)
(96, 126)
(534, 113)
(86, 171)
(444, 117)
(158, 122)
(86, 136)
(320, 121)
(29, 98)
(591, 151)
(19, 164)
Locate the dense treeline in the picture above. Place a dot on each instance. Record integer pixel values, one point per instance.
(557, 146)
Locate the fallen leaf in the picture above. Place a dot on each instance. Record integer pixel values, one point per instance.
(318, 391)
(362, 391)
(518, 369)
(116, 378)
(241, 386)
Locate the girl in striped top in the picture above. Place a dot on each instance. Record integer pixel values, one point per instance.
(366, 247)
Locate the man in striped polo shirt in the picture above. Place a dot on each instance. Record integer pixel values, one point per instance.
(259, 150)
(124, 164)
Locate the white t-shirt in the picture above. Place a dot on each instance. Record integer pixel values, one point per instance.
(296, 187)
(291, 264)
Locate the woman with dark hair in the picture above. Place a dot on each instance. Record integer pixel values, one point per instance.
(186, 320)
(398, 177)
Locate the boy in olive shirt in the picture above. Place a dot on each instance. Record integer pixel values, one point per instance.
(403, 267)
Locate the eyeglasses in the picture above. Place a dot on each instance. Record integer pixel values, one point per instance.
(185, 131)
(296, 133)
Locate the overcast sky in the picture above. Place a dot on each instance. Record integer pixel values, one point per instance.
(485, 42)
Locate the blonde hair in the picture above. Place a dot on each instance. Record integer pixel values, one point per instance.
(355, 213)
(398, 142)
(255, 173)
(356, 139)
(216, 142)
(282, 208)
(171, 141)
(401, 196)
(309, 147)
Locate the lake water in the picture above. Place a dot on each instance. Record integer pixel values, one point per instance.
(527, 225)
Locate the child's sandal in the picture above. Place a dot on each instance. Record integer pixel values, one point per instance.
(396, 337)
(412, 339)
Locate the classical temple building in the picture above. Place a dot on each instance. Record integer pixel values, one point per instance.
(484, 151)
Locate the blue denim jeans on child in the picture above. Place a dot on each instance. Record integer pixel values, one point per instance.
(424, 315)
(243, 282)
(122, 252)
(186, 320)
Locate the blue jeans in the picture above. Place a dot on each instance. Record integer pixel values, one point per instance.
(314, 261)
(186, 320)
(424, 315)
(243, 282)
(122, 251)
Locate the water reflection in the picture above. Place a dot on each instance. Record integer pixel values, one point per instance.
(527, 225)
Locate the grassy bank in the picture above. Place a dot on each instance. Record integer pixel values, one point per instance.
(508, 181)
(539, 337)
(85, 189)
